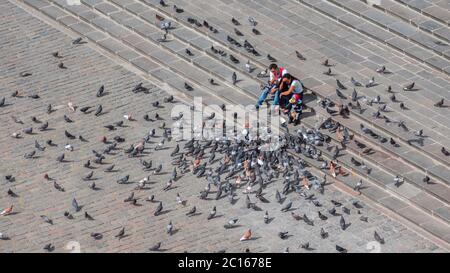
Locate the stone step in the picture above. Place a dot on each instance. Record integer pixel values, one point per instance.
(438, 11)
(399, 206)
(222, 24)
(389, 22)
(423, 22)
(144, 32)
(406, 43)
(385, 179)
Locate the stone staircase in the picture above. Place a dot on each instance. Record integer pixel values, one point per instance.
(128, 29)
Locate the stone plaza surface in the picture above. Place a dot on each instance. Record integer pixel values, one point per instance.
(123, 39)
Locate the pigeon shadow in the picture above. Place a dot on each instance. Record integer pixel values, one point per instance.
(347, 225)
(195, 214)
(217, 216)
(164, 212)
(13, 213)
(175, 231)
(234, 226)
(270, 221)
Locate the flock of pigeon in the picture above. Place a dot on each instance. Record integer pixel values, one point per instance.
(229, 167)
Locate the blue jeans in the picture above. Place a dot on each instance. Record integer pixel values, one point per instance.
(276, 99)
(264, 93)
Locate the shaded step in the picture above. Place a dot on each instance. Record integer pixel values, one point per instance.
(430, 9)
(415, 18)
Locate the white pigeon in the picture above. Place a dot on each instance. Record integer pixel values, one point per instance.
(71, 106)
(248, 67)
(68, 147)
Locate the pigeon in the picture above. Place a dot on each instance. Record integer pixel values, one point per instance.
(60, 158)
(87, 216)
(247, 235)
(286, 207)
(11, 193)
(192, 211)
(38, 146)
(321, 216)
(123, 179)
(7, 211)
(2, 102)
(69, 135)
(67, 119)
(409, 87)
(346, 210)
(96, 235)
(169, 228)
(29, 155)
(235, 22)
(68, 215)
(99, 110)
(28, 131)
(234, 78)
(85, 109)
(381, 70)
(188, 87)
(377, 237)
(340, 95)
(278, 196)
(323, 233)
(257, 32)
(358, 186)
(177, 9)
(43, 127)
(266, 217)
(25, 74)
(248, 67)
(426, 179)
(62, 66)
(121, 233)
(398, 181)
(100, 91)
(326, 63)
(212, 213)
(3, 236)
(340, 249)
(238, 33)
(88, 176)
(49, 247)
(300, 56)
(363, 218)
(355, 82)
(110, 168)
(340, 85)
(354, 95)
(156, 247)
(58, 187)
(283, 235)
(78, 41)
(270, 58)
(75, 205)
(47, 220)
(296, 216)
(328, 72)
(444, 151)
(252, 21)
(188, 52)
(231, 223)
(439, 103)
